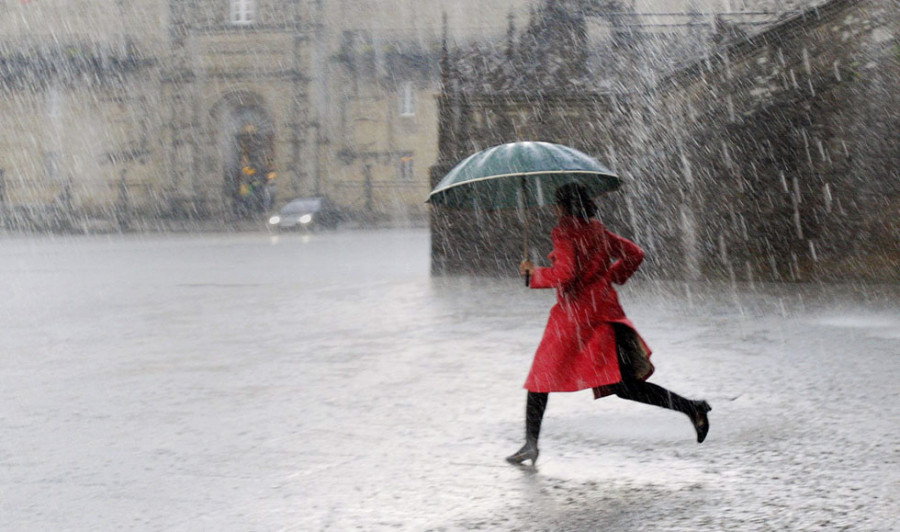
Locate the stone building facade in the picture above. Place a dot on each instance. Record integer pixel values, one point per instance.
(770, 157)
(138, 114)
(116, 113)
(236, 89)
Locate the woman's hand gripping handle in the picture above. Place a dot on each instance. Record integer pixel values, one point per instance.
(525, 268)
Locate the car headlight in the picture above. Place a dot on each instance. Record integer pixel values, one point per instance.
(306, 218)
(274, 220)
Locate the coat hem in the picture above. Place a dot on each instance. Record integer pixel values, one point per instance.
(606, 388)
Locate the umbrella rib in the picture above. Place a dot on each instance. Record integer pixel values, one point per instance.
(542, 172)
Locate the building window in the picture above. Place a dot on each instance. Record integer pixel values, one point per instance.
(243, 12)
(408, 99)
(406, 168)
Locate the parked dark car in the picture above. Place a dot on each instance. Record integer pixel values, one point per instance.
(306, 214)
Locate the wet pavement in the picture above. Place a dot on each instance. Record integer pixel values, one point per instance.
(327, 382)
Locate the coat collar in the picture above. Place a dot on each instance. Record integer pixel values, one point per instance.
(573, 222)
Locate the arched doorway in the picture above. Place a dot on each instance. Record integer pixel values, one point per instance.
(246, 139)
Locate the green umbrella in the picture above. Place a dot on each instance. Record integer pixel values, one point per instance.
(520, 175)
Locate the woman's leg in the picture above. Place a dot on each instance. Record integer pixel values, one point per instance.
(535, 405)
(652, 394)
(534, 415)
(633, 388)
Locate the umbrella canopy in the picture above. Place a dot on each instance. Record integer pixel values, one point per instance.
(520, 174)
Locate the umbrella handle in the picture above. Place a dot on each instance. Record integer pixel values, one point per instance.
(525, 230)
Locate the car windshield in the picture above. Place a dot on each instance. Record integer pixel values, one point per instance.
(302, 205)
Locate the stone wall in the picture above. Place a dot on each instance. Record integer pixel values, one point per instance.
(777, 145)
(773, 158)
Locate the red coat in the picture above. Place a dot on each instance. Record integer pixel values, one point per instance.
(578, 350)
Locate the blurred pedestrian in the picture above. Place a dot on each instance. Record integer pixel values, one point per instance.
(588, 341)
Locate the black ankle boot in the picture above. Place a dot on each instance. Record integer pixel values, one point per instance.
(529, 451)
(700, 420)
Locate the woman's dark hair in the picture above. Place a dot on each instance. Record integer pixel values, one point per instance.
(575, 201)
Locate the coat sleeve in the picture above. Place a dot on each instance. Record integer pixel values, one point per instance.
(563, 270)
(629, 255)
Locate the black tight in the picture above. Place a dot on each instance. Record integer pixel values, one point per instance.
(652, 394)
(631, 389)
(534, 414)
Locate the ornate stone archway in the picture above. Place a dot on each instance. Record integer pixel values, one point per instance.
(244, 133)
